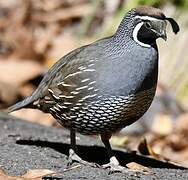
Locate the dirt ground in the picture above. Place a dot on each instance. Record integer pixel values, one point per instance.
(25, 145)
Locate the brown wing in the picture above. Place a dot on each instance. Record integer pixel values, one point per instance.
(72, 84)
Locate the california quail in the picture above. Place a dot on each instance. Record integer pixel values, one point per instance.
(105, 86)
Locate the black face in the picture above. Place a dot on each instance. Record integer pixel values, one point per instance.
(146, 35)
(150, 30)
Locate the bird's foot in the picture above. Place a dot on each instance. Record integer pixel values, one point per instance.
(114, 166)
(73, 157)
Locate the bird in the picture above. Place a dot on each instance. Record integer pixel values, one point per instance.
(102, 87)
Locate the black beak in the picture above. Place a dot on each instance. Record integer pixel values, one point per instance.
(160, 29)
(163, 35)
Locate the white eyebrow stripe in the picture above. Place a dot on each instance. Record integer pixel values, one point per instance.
(135, 34)
(147, 18)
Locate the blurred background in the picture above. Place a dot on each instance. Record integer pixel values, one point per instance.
(34, 34)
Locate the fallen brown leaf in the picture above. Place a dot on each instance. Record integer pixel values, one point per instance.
(44, 40)
(119, 140)
(146, 149)
(36, 174)
(64, 14)
(143, 147)
(36, 116)
(179, 158)
(26, 89)
(18, 72)
(162, 124)
(181, 124)
(8, 94)
(67, 41)
(20, 40)
(138, 167)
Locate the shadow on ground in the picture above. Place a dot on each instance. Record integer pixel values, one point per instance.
(98, 154)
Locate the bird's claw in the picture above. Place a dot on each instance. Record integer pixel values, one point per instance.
(73, 157)
(114, 166)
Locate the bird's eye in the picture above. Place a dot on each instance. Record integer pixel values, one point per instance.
(148, 25)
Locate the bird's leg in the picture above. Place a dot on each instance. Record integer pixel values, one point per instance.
(113, 165)
(73, 157)
(72, 151)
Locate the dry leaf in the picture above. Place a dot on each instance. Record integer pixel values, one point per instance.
(179, 158)
(162, 124)
(146, 149)
(64, 14)
(18, 72)
(18, 38)
(181, 124)
(65, 40)
(119, 140)
(36, 174)
(26, 89)
(143, 147)
(138, 167)
(8, 94)
(34, 115)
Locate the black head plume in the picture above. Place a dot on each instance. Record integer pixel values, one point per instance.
(174, 24)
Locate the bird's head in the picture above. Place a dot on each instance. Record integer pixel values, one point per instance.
(146, 24)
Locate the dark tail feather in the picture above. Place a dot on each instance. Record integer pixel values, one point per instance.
(28, 102)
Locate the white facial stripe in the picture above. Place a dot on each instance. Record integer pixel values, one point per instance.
(135, 33)
(147, 18)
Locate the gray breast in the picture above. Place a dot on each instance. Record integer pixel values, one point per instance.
(128, 73)
(108, 114)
